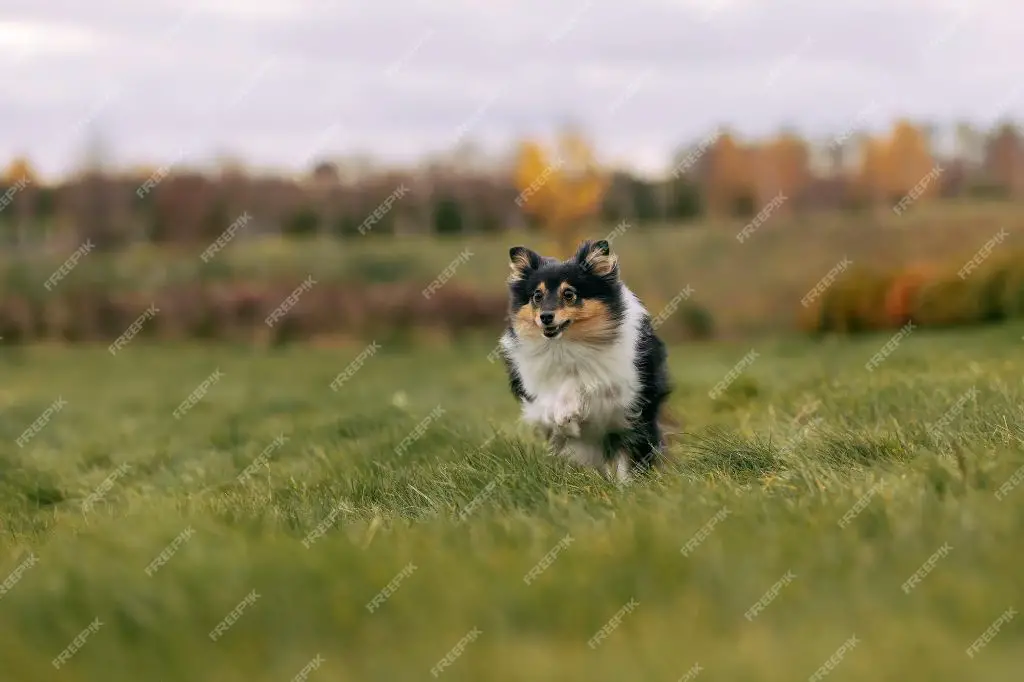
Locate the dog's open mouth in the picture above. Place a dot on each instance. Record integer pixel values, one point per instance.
(553, 330)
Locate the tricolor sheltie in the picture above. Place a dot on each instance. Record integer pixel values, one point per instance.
(583, 360)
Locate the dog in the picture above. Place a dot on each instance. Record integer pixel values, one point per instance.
(584, 362)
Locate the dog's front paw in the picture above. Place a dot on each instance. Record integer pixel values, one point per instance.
(565, 412)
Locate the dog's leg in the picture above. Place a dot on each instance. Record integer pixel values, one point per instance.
(580, 452)
(618, 468)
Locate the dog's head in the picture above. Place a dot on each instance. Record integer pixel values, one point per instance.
(579, 299)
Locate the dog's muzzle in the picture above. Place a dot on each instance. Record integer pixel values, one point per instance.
(553, 330)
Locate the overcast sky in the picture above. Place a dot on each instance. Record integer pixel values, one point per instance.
(279, 81)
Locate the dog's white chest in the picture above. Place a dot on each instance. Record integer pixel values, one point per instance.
(574, 384)
(570, 382)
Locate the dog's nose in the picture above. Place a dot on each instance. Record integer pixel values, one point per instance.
(547, 318)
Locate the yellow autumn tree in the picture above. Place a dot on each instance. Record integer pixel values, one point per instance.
(783, 169)
(871, 180)
(21, 183)
(19, 170)
(908, 162)
(562, 187)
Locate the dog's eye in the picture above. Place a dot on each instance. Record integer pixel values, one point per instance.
(537, 296)
(569, 295)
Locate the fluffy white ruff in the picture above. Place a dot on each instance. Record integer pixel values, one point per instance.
(581, 391)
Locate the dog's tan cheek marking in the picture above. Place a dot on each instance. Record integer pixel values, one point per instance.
(523, 322)
(592, 324)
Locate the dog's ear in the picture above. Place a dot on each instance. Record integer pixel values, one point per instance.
(597, 257)
(522, 261)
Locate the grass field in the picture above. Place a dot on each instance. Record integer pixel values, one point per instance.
(811, 485)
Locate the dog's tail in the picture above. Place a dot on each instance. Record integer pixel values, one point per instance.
(670, 424)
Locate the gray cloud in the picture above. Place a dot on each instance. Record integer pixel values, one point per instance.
(266, 78)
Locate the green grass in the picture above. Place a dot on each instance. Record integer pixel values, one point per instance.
(474, 504)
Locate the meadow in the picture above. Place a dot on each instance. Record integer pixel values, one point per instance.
(818, 519)
(373, 286)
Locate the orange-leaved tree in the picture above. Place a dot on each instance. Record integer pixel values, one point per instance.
(561, 188)
(729, 177)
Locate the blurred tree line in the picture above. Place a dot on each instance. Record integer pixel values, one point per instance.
(555, 187)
